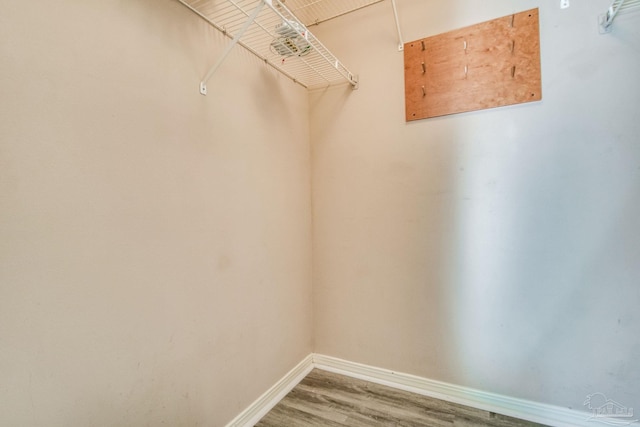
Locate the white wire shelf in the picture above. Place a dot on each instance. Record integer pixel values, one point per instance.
(274, 34)
(311, 12)
(617, 7)
(314, 12)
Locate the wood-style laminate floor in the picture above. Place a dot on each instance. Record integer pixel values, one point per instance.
(327, 399)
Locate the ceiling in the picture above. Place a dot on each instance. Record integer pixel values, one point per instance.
(311, 12)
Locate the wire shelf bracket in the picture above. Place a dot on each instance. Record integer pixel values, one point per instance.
(395, 15)
(606, 19)
(268, 30)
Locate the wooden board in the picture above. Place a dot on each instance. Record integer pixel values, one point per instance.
(492, 64)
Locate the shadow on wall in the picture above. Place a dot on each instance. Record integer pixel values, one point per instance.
(491, 249)
(541, 264)
(386, 264)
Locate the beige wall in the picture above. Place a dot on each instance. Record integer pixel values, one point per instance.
(498, 249)
(155, 245)
(155, 251)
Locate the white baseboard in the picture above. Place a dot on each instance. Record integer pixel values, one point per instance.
(526, 410)
(518, 408)
(271, 397)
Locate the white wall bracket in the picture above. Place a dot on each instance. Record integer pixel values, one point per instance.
(605, 20)
(356, 82)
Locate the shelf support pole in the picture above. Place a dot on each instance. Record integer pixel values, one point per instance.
(395, 14)
(230, 46)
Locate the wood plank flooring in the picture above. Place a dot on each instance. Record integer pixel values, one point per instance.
(327, 399)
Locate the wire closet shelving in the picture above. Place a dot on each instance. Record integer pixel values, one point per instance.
(279, 36)
(617, 7)
(312, 12)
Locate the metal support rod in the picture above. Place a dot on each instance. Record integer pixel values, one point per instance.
(230, 46)
(395, 14)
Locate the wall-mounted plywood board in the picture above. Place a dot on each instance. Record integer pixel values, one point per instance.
(492, 64)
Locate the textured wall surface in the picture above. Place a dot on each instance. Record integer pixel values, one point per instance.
(155, 249)
(500, 249)
(156, 245)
